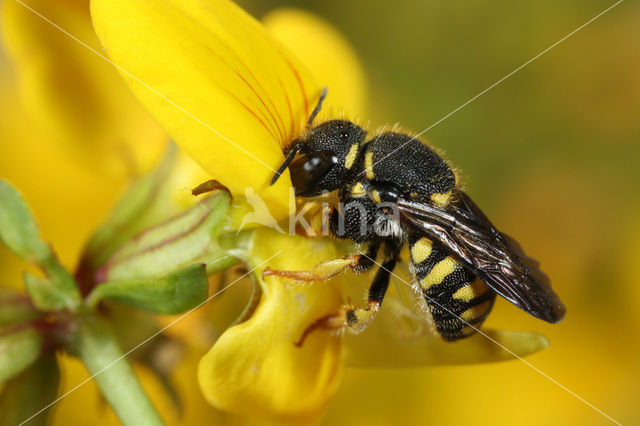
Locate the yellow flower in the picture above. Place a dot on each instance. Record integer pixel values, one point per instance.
(233, 94)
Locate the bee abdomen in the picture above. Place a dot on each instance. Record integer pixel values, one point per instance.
(457, 301)
(456, 318)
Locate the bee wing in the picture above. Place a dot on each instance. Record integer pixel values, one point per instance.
(494, 257)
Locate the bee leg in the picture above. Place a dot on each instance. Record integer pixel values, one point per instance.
(357, 319)
(354, 319)
(320, 212)
(329, 269)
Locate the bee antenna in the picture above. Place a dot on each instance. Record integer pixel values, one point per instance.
(296, 148)
(316, 110)
(286, 162)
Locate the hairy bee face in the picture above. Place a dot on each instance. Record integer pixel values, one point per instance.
(330, 152)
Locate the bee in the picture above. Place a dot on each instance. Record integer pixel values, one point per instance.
(394, 190)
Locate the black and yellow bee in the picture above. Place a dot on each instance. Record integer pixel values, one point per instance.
(395, 189)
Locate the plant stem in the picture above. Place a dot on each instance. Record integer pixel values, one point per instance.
(99, 350)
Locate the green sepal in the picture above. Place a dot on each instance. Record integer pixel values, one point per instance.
(144, 204)
(20, 233)
(16, 308)
(26, 394)
(18, 350)
(175, 293)
(183, 240)
(45, 295)
(61, 282)
(18, 228)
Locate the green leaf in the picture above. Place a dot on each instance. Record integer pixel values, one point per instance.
(18, 229)
(16, 308)
(18, 350)
(45, 295)
(29, 392)
(186, 239)
(19, 232)
(145, 203)
(173, 294)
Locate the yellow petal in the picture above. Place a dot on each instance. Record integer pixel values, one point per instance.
(429, 350)
(401, 337)
(222, 87)
(326, 53)
(74, 95)
(255, 369)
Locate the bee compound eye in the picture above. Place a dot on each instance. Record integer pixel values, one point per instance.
(308, 172)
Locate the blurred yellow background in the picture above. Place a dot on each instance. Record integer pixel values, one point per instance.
(550, 154)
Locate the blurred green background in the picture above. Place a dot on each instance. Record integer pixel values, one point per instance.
(551, 154)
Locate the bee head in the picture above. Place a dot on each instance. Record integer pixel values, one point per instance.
(329, 152)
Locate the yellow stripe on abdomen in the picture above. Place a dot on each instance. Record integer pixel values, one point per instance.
(476, 312)
(439, 272)
(471, 291)
(421, 250)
